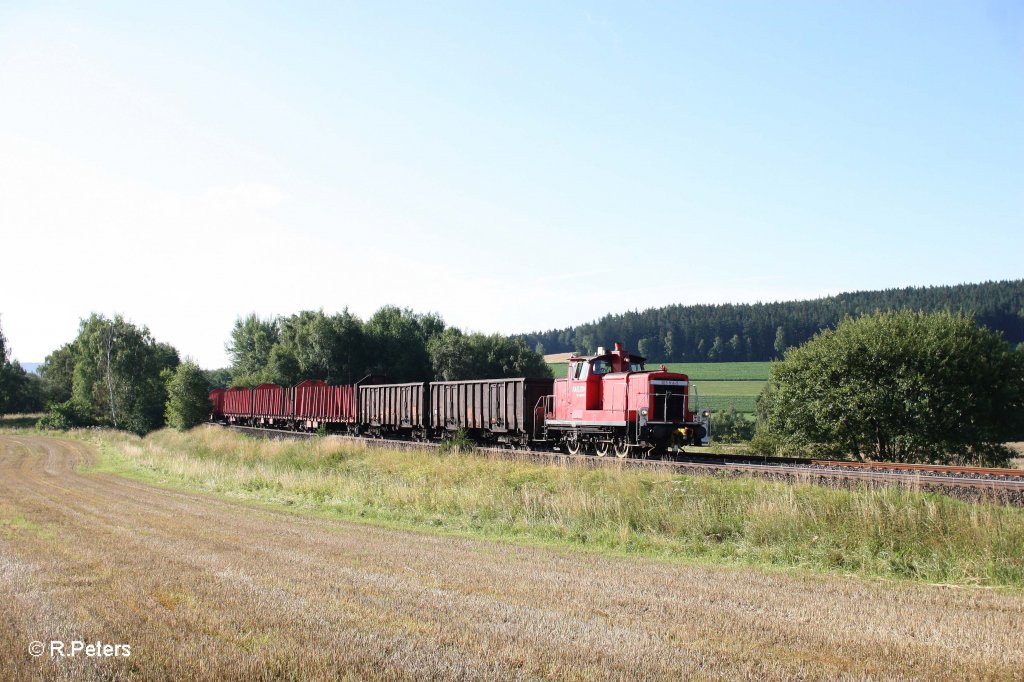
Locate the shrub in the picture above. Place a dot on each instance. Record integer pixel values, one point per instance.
(67, 415)
(899, 386)
(730, 426)
(456, 443)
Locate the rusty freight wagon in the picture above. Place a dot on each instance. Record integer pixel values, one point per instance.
(272, 405)
(238, 404)
(394, 408)
(319, 404)
(503, 410)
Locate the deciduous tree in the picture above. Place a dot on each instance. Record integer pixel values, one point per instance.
(188, 390)
(397, 341)
(899, 386)
(20, 392)
(252, 340)
(115, 371)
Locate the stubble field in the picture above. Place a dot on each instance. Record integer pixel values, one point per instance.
(204, 587)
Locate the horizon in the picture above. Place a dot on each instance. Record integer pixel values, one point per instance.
(512, 169)
(36, 363)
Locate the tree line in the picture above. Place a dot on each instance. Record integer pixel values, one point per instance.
(763, 331)
(20, 391)
(115, 373)
(395, 343)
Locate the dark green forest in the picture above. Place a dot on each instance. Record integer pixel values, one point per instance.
(763, 331)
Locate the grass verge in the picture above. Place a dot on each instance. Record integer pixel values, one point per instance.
(888, 532)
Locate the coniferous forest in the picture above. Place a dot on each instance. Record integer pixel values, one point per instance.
(762, 331)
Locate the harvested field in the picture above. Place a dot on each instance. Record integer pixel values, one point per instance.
(206, 588)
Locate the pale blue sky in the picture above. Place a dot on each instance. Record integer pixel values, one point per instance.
(512, 167)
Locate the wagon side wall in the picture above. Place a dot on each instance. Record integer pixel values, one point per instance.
(272, 401)
(394, 406)
(238, 402)
(317, 401)
(494, 405)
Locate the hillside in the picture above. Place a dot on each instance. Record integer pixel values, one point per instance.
(760, 331)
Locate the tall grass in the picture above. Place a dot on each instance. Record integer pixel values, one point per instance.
(872, 532)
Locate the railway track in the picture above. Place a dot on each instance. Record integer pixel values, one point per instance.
(969, 483)
(931, 468)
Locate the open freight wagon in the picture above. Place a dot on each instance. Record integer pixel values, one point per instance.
(394, 409)
(501, 410)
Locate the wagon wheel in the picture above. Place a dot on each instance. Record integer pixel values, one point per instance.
(573, 445)
(602, 448)
(621, 448)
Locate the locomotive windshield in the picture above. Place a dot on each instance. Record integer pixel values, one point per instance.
(601, 367)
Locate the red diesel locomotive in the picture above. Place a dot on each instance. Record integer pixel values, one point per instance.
(608, 403)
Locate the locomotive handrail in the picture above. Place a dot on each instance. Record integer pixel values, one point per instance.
(541, 408)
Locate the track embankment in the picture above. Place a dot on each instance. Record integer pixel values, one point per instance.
(967, 483)
(201, 587)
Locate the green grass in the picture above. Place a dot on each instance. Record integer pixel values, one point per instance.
(721, 371)
(885, 532)
(719, 395)
(730, 388)
(745, 404)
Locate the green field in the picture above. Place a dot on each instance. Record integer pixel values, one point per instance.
(718, 403)
(719, 384)
(701, 371)
(719, 395)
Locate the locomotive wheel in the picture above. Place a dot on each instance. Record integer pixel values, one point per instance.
(602, 448)
(621, 449)
(574, 446)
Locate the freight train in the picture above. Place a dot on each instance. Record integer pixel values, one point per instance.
(607, 403)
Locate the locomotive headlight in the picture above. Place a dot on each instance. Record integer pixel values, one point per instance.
(707, 413)
(643, 412)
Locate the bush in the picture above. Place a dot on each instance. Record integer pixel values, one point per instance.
(67, 415)
(188, 402)
(898, 386)
(457, 443)
(730, 426)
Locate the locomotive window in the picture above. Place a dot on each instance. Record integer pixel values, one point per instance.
(636, 367)
(580, 370)
(601, 367)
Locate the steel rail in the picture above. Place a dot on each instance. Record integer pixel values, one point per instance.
(939, 468)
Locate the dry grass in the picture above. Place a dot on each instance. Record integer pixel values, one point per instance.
(874, 532)
(204, 588)
(1018, 461)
